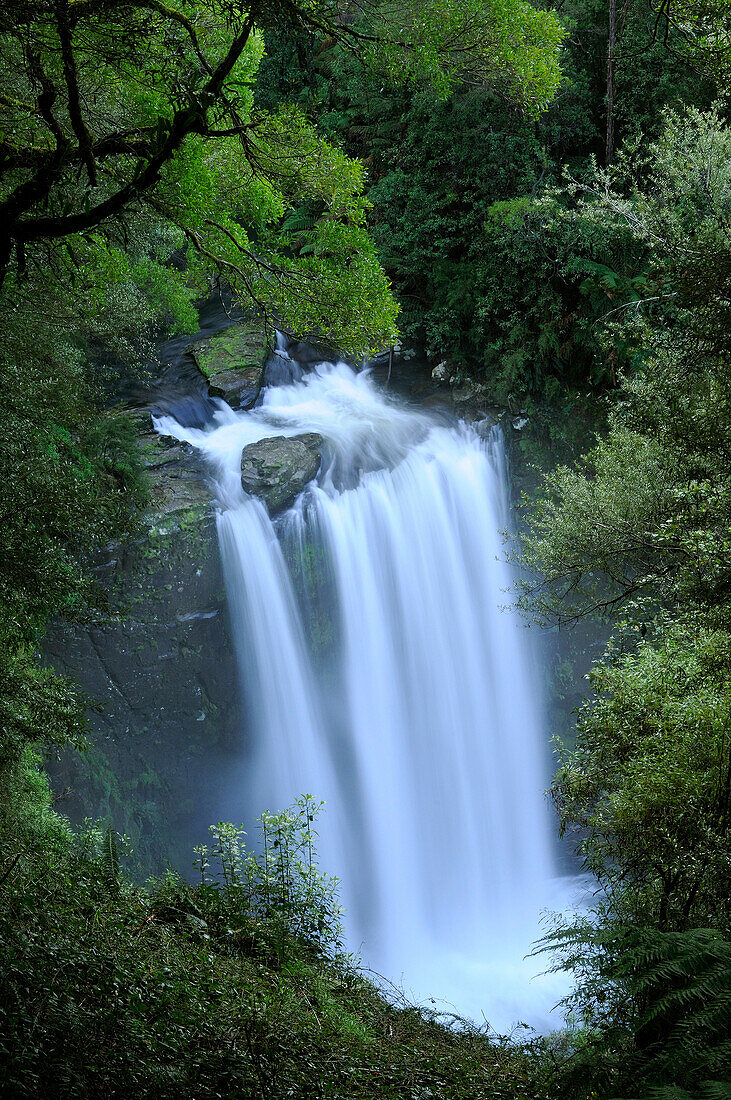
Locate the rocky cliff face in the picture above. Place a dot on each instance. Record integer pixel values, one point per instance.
(165, 719)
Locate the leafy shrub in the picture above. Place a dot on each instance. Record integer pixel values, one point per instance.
(281, 883)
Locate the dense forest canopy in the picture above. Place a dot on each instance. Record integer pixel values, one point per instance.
(123, 120)
(541, 199)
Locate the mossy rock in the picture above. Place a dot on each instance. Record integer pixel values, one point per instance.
(278, 469)
(177, 482)
(233, 362)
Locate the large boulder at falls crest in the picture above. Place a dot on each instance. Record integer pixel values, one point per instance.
(233, 362)
(277, 470)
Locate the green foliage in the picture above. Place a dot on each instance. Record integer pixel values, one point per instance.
(436, 163)
(202, 991)
(110, 858)
(185, 159)
(433, 197)
(135, 169)
(281, 883)
(147, 150)
(646, 517)
(67, 481)
(547, 275)
(34, 699)
(641, 523)
(648, 784)
(180, 162)
(494, 268)
(683, 982)
(28, 822)
(504, 42)
(659, 1009)
(704, 28)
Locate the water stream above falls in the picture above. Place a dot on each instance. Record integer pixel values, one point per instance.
(381, 674)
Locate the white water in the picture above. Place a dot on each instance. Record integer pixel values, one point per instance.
(416, 716)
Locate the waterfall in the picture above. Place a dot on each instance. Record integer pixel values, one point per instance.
(382, 673)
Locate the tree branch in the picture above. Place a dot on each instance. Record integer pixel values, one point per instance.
(72, 88)
(187, 120)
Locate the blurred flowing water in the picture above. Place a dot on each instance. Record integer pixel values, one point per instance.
(382, 674)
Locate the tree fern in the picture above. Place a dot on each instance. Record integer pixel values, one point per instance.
(656, 1007)
(682, 983)
(299, 221)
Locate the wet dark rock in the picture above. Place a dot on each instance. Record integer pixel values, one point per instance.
(282, 370)
(469, 393)
(162, 672)
(238, 388)
(178, 481)
(277, 470)
(485, 424)
(158, 659)
(441, 373)
(292, 359)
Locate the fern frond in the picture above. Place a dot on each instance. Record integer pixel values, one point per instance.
(300, 221)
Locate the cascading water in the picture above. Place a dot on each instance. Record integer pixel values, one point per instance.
(381, 675)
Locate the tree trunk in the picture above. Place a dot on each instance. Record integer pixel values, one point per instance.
(611, 82)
